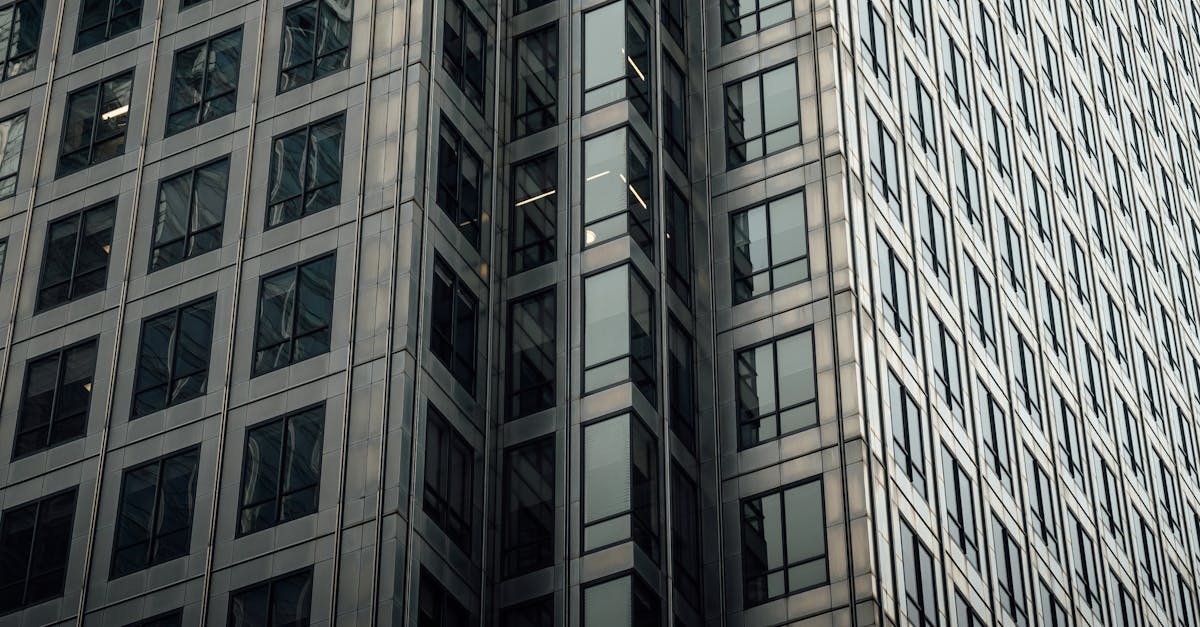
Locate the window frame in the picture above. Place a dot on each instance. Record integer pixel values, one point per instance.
(319, 412)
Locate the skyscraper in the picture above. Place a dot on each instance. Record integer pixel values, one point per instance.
(599, 313)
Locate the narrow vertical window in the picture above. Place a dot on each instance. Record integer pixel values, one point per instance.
(535, 212)
(449, 479)
(532, 373)
(35, 547)
(528, 543)
(681, 377)
(619, 339)
(678, 242)
(464, 52)
(453, 324)
(620, 485)
(535, 93)
(616, 58)
(894, 294)
(12, 142)
(908, 436)
(618, 189)
(920, 581)
(459, 181)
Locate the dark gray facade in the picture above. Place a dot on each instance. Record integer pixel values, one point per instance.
(599, 312)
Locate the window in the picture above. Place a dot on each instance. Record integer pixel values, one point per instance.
(681, 382)
(1070, 454)
(295, 310)
(35, 546)
(619, 332)
(675, 118)
(190, 214)
(996, 134)
(620, 484)
(675, 19)
(532, 352)
(966, 188)
(960, 507)
(204, 81)
(957, 75)
(943, 354)
(56, 398)
(618, 189)
(102, 20)
(776, 386)
(535, 212)
(306, 171)
(281, 469)
(965, 615)
(1093, 388)
(1043, 505)
(95, 123)
(1078, 272)
(12, 141)
(686, 538)
(678, 244)
(770, 247)
(1108, 514)
(616, 58)
(280, 602)
(1124, 605)
(1146, 549)
(75, 261)
(995, 436)
(1025, 375)
(449, 479)
(907, 435)
(875, 44)
(453, 324)
(22, 22)
(464, 51)
(1010, 575)
(520, 6)
(460, 182)
(920, 583)
(885, 174)
(935, 243)
(173, 355)
(535, 92)
(989, 42)
(894, 294)
(913, 12)
(740, 18)
(1053, 612)
(625, 601)
(1041, 212)
(1083, 557)
(315, 41)
(1055, 328)
(529, 514)
(752, 130)
(536, 613)
(154, 518)
(783, 543)
(174, 618)
(980, 311)
(922, 115)
(1026, 102)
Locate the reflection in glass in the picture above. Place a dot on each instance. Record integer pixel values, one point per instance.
(535, 212)
(620, 485)
(740, 18)
(776, 389)
(204, 82)
(770, 247)
(281, 469)
(306, 171)
(535, 94)
(96, 121)
(35, 545)
(616, 57)
(529, 476)
(783, 543)
(619, 332)
(189, 215)
(295, 309)
(753, 129)
(20, 30)
(173, 354)
(76, 257)
(618, 189)
(12, 141)
(154, 520)
(532, 371)
(315, 42)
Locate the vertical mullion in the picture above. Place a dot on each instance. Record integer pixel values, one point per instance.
(203, 90)
(79, 222)
(191, 208)
(304, 173)
(770, 251)
(37, 516)
(291, 341)
(171, 347)
(281, 479)
(58, 376)
(154, 527)
(95, 120)
(317, 32)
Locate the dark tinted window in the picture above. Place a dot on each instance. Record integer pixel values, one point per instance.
(620, 485)
(783, 543)
(204, 81)
(173, 357)
(685, 537)
(536, 613)
(295, 306)
(625, 601)
(529, 476)
(535, 92)
(752, 128)
(22, 22)
(449, 479)
(770, 247)
(454, 321)
(281, 469)
(438, 608)
(56, 398)
(675, 119)
(460, 181)
(168, 619)
(532, 373)
(95, 124)
(681, 381)
(776, 389)
(306, 171)
(154, 520)
(281, 602)
(464, 51)
(535, 212)
(190, 213)
(740, 18)
(12, 141)
(76, 256)
(35, 545)
(315, 42)
(678, 243)
(101, 20)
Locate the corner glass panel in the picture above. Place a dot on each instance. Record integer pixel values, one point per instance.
(620, 485)
(619, 332)
(618, 190)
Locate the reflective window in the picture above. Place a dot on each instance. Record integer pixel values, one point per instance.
(675, 118)
(306, 171)
(618, 189)
(875, 44)
(783, 543)
(154, 518)
(1083, 559)
(459, 181)
(960, 507)
(920, 580)
(908, 433)
(776, 385)
(464, 51)
(740, 18)
(754, 130)
(535, 212)
(1043, 505)
(295, 309)
(965, 178)
(528, 542)
(35, 546)
(980, 312)
(770, 247)
(944, 367)
(532, 351)
(436, 607)
(935, 242)
(12, 141)
(449, 479)
(521, 6)
(956, 74)
(536, 613)
(21, 23)
(315, 41)
(1010, 576)
(281, 602)
(681, 383)
(190, 213)
(995, 436)
(965, 615)
(619, 337)
(204, 81)
(56, 398)
(885, 173)
(95, 124)
(616, 57)
(174, 618)
(913, 13)
(173, 356)
(102, 20)
(686, 540)
(1053, 612)
(922, 114)
(620, 484)
(894, 294)
(76, 256)
(678, 242)
(622, 602)
(455, 311)
(674, 13)
(535, 91)
(281, 469)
